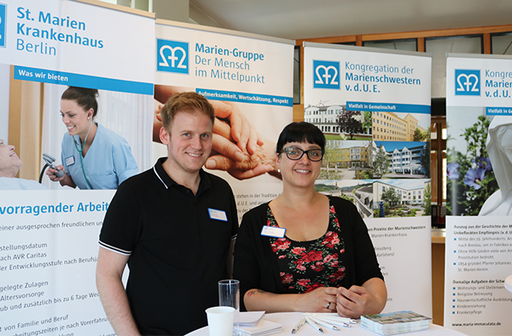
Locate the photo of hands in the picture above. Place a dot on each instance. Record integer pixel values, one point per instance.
(238, 147)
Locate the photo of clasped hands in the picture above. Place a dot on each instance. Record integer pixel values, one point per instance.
(237, 147)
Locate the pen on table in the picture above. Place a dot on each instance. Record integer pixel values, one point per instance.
(336, 321)
(325, 324)
(299, 325)
(314, 325)
(337, 317)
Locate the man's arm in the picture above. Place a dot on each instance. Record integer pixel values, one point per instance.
(109, 271)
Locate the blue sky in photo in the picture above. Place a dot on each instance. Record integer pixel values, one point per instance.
(392, 145)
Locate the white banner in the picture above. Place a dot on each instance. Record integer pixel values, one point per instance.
(478, 230)
(49, 239)
(75, 43)
(48, 253)
(373, 105)
(251, 74)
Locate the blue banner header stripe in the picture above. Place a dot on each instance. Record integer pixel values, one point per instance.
(71, 79)
(496, 111)
(243, 97)
(387, 107)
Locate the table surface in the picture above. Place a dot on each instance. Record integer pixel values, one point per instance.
(289, 320)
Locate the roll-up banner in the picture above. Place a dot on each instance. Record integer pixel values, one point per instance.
(479, 197)
(373, 106)
(49, 236)
(245, 76)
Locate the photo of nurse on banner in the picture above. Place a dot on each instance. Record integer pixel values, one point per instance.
(98, 138)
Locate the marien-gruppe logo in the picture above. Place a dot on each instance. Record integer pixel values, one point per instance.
(326, 75)
(3, 10)
(467, 82)
(172, 56)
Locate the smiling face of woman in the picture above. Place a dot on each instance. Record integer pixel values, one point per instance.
(302, 172)
(76, 119)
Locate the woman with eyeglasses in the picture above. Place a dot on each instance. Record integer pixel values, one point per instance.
(304, 251)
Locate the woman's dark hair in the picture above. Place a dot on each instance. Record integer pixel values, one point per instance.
(300, 132)
(85, 98)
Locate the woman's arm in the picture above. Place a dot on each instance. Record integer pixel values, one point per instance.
(321, 300)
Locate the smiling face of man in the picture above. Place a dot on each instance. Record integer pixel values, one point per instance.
(10, 163)
(189, 141)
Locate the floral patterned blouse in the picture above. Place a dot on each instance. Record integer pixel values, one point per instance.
(305, 266)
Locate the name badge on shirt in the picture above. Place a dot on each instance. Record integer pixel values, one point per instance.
(218, 215)
(70, 160)
(272, 231)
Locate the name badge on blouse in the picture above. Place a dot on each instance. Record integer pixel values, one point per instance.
(272, 231)
(218, 215)
(70, 160)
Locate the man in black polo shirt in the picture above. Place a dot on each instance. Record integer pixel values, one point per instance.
(172, 225)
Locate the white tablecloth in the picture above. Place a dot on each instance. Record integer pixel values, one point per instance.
(289, 320)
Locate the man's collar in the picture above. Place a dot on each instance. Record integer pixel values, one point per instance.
(167, 181)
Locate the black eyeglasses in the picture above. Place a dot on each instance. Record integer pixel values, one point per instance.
(295, 153)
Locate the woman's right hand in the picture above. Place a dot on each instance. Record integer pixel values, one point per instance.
(321, 299)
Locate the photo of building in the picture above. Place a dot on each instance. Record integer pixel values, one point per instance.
(359, 192)
(336, 120)
(399, 126)
(405, 158)
(398, 198)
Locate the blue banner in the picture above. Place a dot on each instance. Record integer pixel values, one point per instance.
(2, 25)
(68, 78)
(494, 111)
(387, 107)
(243, 97)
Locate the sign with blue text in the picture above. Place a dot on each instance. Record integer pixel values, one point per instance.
(373, 106)
(71, 72)
(246, 77)
(478, 193)
(55, 41)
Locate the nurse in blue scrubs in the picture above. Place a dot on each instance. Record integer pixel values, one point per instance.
(93, 156)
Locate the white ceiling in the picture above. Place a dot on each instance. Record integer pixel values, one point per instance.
(299, 19)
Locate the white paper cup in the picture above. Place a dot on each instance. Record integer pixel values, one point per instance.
(220, 320)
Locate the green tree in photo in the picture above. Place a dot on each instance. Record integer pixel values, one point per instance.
(350, 122)
(420, 135)
(390, 196)
(427, 197)
(381, 163)
(332, 153)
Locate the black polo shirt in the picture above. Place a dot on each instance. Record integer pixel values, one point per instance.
(178, 245)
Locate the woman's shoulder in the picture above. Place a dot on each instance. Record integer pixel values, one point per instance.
(339, 202)
(109, 136)
(258, 214)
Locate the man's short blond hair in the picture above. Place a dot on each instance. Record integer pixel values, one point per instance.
(189, 102)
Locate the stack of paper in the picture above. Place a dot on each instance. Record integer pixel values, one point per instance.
(251, 324)
(250, 319)
(395, 323)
